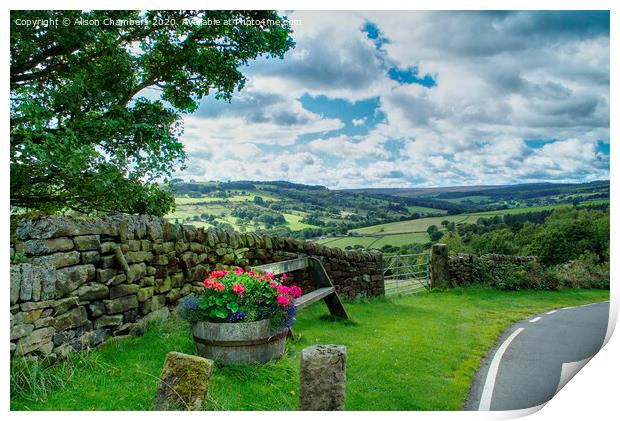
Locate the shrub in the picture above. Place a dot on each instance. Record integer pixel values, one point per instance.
(584, 272)
(240, 296)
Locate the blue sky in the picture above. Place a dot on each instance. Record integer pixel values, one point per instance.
(406, 99)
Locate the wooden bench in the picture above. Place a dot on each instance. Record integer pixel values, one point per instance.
(325, 289)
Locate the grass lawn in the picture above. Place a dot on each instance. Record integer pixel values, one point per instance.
(417, 352)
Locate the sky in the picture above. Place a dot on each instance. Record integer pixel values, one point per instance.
(416, 99)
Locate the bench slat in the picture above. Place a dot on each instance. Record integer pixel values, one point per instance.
(314, 296)
(285, 266)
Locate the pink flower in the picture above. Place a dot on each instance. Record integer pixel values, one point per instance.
(295, 291)
(284, 276)
(208, 283)
(283, 289)
(268, 276)
(273, 284)
(283, 300)
(238, 271)
(251, 273)
(238, 288)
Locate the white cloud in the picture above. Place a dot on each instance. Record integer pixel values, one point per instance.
(502, 78)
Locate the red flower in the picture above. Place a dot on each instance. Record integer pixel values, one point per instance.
(238, 288)
(219, 274)
(273, 284)
(208, 283)
(219, 286)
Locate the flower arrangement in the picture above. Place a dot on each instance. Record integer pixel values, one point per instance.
(242, 296)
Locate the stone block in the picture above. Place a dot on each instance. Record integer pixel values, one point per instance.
(96, 309)
(41, 247)
(19, 331)
(139, 256)
(90, 257)
(64, 305)
(16, 278)
(184, 382)
(109, 321)
(147, 281)
(44, 322)
(322, 378)
(154, 303)
(91, 291)
(71, 278)
(107, 247)
(136, 272)
(117, 279)
(161, 259)
(87, 242)
(34, 340)
(163, 285)
(47, 277)
(25, 287)
(34, 305)
(145, 293)
(173, 295)
(59, 260)
(71, 319)
(123, 289)
(145, 245)
(109, 262)
(121, 304)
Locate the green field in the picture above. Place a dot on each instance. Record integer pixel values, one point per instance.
(293, 222)
(414, 231)
(418, 352)
(376, 241)
(422, 224)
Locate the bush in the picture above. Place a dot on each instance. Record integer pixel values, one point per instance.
(509, 276)
(584, 272)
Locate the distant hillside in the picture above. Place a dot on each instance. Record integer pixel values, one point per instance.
(304, 211)
(482, 198)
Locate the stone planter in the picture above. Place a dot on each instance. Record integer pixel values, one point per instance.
(239, 343)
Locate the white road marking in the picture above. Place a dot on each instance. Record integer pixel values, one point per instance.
(535, 319)
(551, 312)
(489, 384)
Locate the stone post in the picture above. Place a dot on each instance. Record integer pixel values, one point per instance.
(184, 382)
(322, 382)
(440, 273)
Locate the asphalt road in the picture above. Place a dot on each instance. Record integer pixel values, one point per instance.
(535, 357)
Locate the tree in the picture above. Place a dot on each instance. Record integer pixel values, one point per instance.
(83, 134)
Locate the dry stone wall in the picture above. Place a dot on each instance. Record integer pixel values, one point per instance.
(471, 269)
(86, 280)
